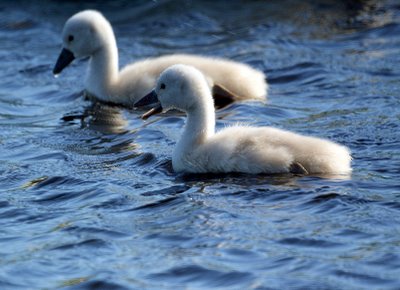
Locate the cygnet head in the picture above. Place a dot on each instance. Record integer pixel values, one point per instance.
(83, 35)
(180, 87)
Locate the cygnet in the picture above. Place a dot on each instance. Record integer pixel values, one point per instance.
(242, 149)
(89, 34)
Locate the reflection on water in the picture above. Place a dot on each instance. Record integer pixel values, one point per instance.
(88, 198)
(99, 117)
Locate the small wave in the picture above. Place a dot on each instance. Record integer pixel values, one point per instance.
(194, 274)
(304, 73)
(89, 243)
(312, 243)
(364, 279)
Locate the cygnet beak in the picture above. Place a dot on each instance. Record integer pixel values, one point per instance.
(64, 59)
(154, 111)
(150, 99)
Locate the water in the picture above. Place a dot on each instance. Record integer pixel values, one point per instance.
(95, 204)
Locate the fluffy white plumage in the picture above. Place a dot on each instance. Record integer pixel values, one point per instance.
(238, 149)
(89, 34)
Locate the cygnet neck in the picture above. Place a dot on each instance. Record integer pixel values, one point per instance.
(103, 70)
(200, 123)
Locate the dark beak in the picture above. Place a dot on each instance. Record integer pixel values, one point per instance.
(150, 99)
(65, 58)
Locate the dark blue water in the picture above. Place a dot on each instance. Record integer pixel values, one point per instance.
(94, 204)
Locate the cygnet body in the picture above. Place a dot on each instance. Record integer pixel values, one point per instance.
(237, 149)
(89, 34)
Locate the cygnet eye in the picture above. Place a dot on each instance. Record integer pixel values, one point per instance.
(162, 86)
(70, 38)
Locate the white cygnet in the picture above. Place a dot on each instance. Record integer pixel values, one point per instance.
(89, 34)
(237, 149)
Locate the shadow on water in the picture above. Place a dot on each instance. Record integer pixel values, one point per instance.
(99, 117)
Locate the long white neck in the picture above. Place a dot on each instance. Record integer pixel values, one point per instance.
(200, 125)
(103, 70)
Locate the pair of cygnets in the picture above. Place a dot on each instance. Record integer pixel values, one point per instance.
(189, 83)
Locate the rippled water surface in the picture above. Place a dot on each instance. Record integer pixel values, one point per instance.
(94, 204)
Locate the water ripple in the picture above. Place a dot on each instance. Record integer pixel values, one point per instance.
(312, 243)
(302, 73)
(363, 279)
(182, 275)
(89, 199)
